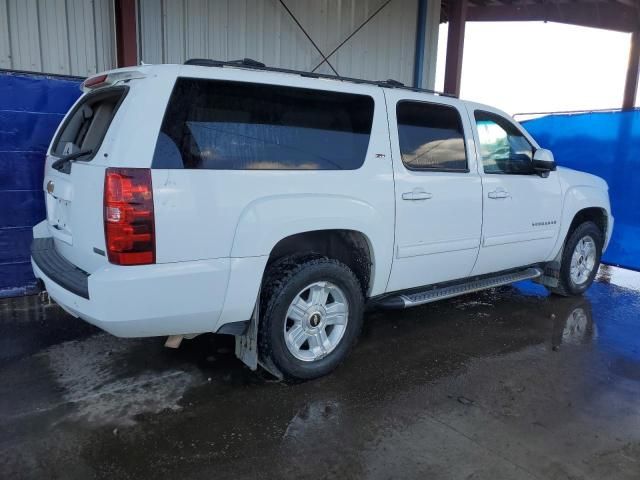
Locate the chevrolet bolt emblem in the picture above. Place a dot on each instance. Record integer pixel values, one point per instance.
(50, 186)
(315, 320)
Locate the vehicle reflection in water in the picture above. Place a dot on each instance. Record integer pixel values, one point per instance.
(607, 316)
(574, 324)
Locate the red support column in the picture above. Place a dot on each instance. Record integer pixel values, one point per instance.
(126, 33)
(455, 46)
(631, 83)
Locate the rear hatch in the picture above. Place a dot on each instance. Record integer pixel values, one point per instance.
(73, 189)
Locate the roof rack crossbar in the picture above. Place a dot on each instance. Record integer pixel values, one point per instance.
(256, 65)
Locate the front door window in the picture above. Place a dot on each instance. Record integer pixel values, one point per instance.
(503, 148)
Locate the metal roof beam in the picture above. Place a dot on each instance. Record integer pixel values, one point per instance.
(609, 16)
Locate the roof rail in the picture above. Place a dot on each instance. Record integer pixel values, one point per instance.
(244, 62)
(393, 83)
(256, 65)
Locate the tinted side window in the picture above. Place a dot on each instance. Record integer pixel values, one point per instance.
(224, 125)
(503, 147)
(431, 137)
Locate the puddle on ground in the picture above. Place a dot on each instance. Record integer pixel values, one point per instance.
(93, 376)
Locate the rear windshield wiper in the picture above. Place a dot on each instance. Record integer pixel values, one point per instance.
(58, 164)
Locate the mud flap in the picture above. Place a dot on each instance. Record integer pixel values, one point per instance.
(550, 277)
(551, 274)
(247, 346)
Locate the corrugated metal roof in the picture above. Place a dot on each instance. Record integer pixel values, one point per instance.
(620, 15)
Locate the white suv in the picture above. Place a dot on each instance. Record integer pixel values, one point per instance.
(274, 205)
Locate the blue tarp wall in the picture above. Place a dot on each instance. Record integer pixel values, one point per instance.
(606, 144)
(31, 107)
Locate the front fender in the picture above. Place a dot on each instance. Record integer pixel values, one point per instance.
(266, 221)
(578, 198)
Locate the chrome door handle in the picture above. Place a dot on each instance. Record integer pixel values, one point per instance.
(417, 194)
(499, 193)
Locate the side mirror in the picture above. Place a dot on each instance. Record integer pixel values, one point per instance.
(543, 161)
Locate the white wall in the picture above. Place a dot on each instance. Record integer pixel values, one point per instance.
(70, 37)
(172, 31)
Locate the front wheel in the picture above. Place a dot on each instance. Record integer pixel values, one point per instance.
(311, 317)
(580, 260)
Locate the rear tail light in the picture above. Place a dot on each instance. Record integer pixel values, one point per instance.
(129, 225)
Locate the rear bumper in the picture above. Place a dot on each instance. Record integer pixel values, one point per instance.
(140, 301)
(58, 268)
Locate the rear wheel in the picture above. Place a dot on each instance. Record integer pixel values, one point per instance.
(311, 316)
(580, 260)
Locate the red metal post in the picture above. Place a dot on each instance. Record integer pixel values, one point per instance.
(455, 46)
(631, 83)
(126, 33)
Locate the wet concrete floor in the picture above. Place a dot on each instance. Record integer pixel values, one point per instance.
(505, 384)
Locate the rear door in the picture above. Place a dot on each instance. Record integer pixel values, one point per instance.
(73, 191)
(438, 190)
(117, 123)
(521, 214)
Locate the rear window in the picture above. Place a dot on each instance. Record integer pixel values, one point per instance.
(431, 137)
(221, 125)
(87, 124)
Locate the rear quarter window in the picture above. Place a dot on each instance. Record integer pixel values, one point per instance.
(222, 125)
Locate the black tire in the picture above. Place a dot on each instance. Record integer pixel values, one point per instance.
(283, 281)
(566, 286)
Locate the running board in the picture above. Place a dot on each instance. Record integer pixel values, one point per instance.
(440, 293)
